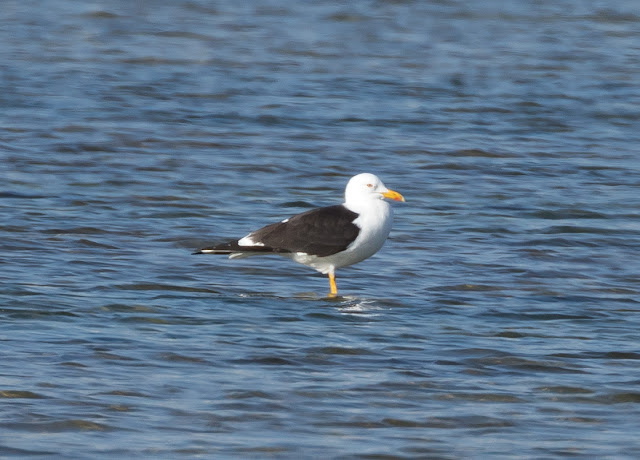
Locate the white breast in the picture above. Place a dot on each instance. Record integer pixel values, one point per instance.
(375, 224)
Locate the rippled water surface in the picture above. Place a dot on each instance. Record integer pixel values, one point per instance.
(501, 319)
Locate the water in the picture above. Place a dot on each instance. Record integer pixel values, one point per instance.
(501, 320)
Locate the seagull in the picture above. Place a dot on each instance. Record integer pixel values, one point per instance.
(325, 238)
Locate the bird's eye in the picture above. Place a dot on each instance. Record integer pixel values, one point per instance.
(369, 185)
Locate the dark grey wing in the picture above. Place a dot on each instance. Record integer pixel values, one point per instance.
(321, 232)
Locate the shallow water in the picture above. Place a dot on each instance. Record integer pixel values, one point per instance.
(501, 319)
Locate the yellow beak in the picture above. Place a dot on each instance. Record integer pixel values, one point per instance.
(393, 195)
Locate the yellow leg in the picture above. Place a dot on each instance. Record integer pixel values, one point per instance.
(332, 284)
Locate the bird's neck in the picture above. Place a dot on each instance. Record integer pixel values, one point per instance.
(373, 206)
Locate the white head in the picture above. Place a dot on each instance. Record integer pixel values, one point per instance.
(366, 187)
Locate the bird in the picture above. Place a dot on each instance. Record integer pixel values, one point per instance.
(326, 238)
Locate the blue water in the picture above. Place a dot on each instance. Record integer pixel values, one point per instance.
(500, 320)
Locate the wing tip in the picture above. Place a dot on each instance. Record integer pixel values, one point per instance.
(212, 250)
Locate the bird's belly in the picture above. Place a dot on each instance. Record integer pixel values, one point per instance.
(362, 248)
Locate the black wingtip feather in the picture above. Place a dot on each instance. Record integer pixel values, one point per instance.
(233, 247)
(222, 248)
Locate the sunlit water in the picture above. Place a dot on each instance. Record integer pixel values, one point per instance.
(501, 320)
